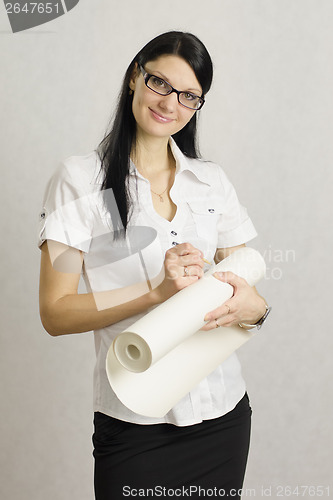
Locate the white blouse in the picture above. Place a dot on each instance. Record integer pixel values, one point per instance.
(208, 215)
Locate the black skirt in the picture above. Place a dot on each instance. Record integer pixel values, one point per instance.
(205, 460)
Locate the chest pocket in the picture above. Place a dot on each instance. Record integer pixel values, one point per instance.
(206, 214)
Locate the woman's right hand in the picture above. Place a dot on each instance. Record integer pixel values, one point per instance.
(183, 265)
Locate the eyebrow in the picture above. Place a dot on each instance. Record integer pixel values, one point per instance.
(167, 80)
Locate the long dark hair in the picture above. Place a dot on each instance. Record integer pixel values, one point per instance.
(115, 148)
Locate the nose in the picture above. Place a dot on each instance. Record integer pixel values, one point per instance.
(169, 102)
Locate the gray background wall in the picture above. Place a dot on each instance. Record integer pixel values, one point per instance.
(268, 121)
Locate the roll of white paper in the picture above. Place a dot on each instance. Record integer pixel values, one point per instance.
(153, 336)
(155, 391)
(194, 354)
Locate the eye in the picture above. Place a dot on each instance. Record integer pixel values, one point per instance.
(158, 82)
(190, 97)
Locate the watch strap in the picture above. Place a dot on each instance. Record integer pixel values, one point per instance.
(260, 322)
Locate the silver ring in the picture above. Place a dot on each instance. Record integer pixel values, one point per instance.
(217, 325)
(185, 271)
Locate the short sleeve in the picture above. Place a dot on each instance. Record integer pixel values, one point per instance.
(65, 216)
(234, 225)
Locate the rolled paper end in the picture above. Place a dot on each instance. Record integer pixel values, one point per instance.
(133, 352)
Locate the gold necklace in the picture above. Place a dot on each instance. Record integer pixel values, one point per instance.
(160, 195)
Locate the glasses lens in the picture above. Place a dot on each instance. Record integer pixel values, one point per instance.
(159, 85)
(190, 100)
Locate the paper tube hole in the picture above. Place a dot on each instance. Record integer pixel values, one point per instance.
(133, 352)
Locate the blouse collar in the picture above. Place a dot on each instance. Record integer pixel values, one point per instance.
(183, 164)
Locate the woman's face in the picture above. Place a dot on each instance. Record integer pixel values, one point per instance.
(157, 115)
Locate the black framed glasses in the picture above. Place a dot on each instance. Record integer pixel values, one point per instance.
(161, 87)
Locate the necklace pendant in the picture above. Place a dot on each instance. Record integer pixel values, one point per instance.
(161, 199)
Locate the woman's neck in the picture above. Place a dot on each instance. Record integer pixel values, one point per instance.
(152, 155)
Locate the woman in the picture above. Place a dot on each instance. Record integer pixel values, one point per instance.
(139, 216)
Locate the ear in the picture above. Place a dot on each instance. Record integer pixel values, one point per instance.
(134, 76)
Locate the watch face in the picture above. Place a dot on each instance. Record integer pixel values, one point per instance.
(263, 319)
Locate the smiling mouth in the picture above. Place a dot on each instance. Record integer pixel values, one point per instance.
(160, 118)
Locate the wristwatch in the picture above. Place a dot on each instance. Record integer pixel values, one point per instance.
(259, 323)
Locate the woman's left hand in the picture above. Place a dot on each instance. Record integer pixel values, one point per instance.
(245, 305)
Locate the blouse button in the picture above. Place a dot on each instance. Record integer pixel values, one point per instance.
(211, 210)
(174, 243)
(174, 233)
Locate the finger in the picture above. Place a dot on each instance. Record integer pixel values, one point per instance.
(191, 260)
(174, 270)
(182, 248)
(187, 249)
(193, 271)
(217, 322)
(184, 256)
(221, 311)
(208, 326)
